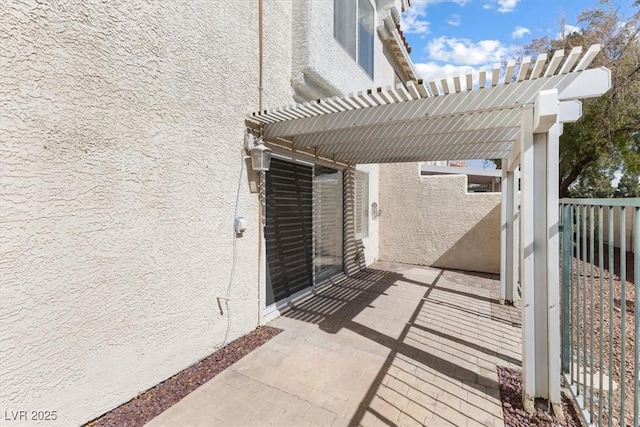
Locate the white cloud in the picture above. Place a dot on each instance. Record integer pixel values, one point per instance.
(430, 71)
(465, 52)
(507, 5)
(458, 2)
(413, 20)
(519, 32)
(454, 20)
(487, 6)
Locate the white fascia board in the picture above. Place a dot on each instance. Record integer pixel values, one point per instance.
(570, 111)
(587, 84)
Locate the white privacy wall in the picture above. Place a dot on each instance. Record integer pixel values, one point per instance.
(121, 132)
(432, 220)
(371, 243)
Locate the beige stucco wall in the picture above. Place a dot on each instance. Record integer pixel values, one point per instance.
(121, 134)
(431, 220)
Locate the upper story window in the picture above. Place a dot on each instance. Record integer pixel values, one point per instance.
(353, 28)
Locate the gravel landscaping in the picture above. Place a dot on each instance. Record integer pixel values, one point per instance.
(156, 400)
(510, 382)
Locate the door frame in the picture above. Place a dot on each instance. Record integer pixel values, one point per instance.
(270, 312)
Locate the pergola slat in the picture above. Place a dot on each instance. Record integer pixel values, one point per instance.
(438, 114)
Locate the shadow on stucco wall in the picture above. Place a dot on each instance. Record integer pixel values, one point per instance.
(432, 220)
(473, 242)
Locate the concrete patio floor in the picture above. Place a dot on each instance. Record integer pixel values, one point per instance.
(395, 345)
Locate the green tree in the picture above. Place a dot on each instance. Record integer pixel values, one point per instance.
(629, 185)
(606, 138)
(597, 184)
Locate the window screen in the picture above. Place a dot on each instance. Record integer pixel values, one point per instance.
(353, 28)
(365, 35)
(344, 28)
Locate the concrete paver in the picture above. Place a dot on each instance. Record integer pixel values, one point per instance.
(394, 345)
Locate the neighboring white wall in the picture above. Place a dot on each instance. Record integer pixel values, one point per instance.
(371, 243)
(121, 135)
(432, 220)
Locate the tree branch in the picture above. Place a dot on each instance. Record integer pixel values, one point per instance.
(573, 175)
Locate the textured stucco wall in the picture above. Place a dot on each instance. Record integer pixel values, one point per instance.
(121, 134)
(431, 220)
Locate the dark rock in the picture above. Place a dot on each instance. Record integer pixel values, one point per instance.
(153, 402)
(515, 416)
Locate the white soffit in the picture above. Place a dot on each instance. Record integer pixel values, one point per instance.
(417, 122)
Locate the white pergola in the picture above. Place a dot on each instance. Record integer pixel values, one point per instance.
(515, 114)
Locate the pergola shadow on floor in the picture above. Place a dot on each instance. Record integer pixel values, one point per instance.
(441, 364)
(394, 345)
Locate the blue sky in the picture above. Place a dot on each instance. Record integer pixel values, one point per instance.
(452, 37)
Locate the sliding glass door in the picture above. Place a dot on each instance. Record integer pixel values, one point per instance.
(327, 223)
(303, 228)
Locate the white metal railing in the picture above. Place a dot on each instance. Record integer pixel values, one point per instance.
(600, 296)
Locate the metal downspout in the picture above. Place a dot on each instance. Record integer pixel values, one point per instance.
(261, 188)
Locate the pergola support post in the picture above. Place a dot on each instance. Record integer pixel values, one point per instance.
(509, 235)
(539, 250)
(515, 250)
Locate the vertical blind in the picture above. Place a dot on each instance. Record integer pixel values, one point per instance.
(288, 229)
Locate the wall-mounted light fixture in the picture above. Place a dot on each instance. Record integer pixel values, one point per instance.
(375, 212)
(260, 154)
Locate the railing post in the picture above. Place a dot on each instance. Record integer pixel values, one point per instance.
(636, 321)
(567, 248)
(623, 312)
